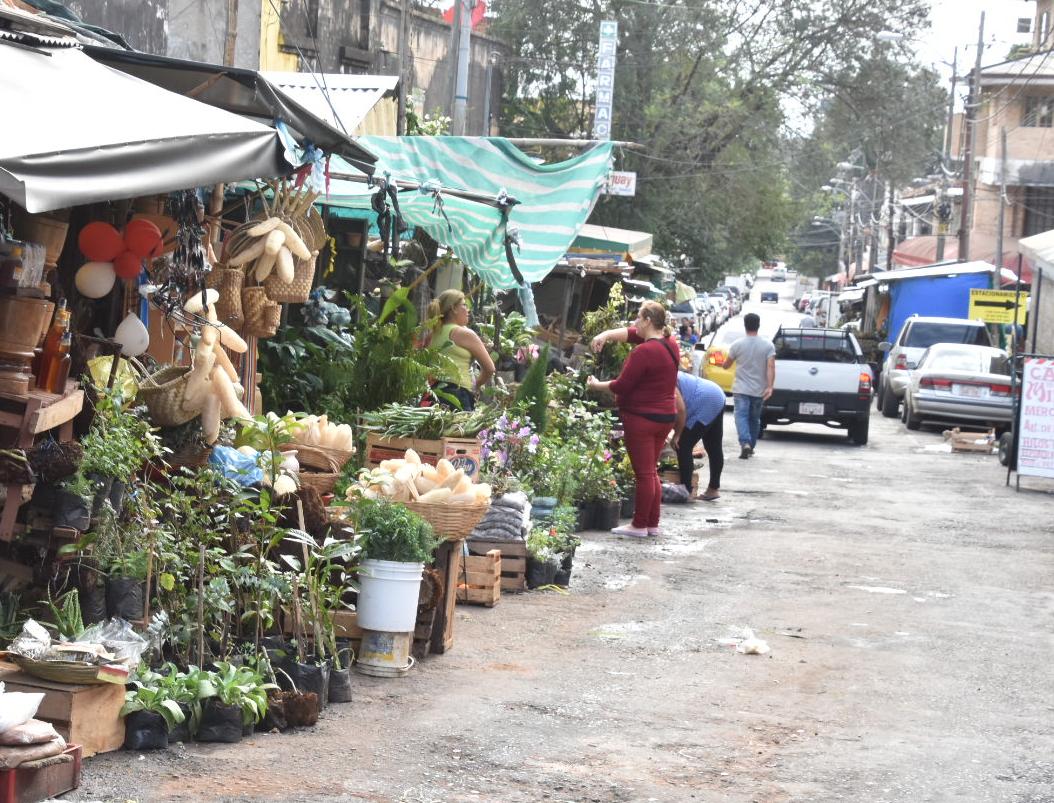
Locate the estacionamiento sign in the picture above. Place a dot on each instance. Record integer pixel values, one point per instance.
(997, 306)
(605, 79)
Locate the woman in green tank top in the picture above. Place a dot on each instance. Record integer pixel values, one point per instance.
(453, 337)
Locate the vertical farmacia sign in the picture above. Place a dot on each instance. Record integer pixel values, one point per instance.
(605, 79)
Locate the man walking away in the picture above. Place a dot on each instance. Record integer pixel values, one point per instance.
(700, 416)
(755, 375)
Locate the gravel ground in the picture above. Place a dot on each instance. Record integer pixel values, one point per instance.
(904, 592)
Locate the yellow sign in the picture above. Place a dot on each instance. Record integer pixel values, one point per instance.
(997, 306)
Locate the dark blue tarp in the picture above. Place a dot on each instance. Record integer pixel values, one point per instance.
(944, 296)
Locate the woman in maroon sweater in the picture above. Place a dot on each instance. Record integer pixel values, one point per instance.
(645, 395)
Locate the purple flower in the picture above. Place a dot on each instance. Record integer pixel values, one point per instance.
(503, 456)
(524, 431)
(534, 440)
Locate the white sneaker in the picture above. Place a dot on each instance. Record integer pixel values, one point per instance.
(633, 532)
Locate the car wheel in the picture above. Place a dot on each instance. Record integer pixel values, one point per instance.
(911, 421)
(889, 404)
(1006, 448)
(858, 431)
(880, 397)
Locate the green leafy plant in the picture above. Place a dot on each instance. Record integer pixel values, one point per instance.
(608, 363)
(391, 531)
(154, 700)
(120, 441)
(243, 687)
(533, 395)
(66, 615)
(11, 615)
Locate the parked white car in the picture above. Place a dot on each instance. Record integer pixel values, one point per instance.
(960, 382)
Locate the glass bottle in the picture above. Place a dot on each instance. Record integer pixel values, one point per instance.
(59, 369)
(60, 324)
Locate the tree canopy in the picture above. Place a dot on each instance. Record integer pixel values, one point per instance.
(713, 91)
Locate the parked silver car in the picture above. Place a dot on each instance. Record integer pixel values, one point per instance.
(918, 334)
(955, 382)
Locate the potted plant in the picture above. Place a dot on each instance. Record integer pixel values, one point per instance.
(71, 502)
(239, 703)
(150, 714)
(322, 579)
(396, 543)
(551, 549)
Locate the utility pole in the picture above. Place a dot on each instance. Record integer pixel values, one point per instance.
(400, 122)
(875, 222)
(972, 104)
(890, 233)
(946, 160)
(1002, 208)
(488, 79)
(463, 18)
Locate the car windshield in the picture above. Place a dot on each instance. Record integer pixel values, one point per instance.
(923, 334)
(969, 361)
(728, 336)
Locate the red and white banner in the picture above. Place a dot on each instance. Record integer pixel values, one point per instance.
(1035, 449)
(479, 11)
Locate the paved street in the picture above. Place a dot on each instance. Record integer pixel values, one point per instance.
(903, 590)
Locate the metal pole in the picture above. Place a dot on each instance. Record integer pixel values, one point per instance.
(946, 160)
(400, 122)
(1033, 316)
(488, 78)
(460, 112)
(972, 105)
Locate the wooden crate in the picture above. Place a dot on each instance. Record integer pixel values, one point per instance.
(464, 453)
(513, 561)
(480, 581)
(85, 715)
(42, 780)
(675, 478)
(977, 442)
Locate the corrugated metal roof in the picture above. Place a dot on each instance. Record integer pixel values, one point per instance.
(341, 100)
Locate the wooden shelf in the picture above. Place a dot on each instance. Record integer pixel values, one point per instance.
(29, 415)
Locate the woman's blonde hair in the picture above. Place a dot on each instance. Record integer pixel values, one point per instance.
(442, 305)
(655, 314)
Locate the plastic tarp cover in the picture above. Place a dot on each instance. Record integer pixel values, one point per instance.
(943, 296)
(79, 132)
(555, 200)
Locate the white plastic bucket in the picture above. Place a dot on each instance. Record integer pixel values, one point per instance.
(388, 592)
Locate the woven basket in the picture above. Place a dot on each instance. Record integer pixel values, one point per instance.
(59, 671)
(324, 483)
(162, 393)
(296, 291)
(49, 232)
(229, 306)
(324, 458)
(450, 521)
(261, 314)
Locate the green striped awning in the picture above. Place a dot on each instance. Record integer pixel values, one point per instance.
(555, 200)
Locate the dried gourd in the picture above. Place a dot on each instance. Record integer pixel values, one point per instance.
(436, 495)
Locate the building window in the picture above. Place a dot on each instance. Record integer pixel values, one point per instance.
(1024, 25)
(1039, 112)
(1039, 210)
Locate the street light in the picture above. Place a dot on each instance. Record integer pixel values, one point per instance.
(889, 36)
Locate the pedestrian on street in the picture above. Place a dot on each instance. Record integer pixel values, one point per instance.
(755, 376)
(807, 321)
(644, 392)
(700, 416)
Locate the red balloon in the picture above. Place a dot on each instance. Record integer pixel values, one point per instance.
(127, 265)
(100, 242)
(143, 238)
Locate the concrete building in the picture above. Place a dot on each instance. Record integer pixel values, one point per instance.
(328, 36)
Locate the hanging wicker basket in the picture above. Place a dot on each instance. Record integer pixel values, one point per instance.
(163, 395)
(296, 291)
(229, 282)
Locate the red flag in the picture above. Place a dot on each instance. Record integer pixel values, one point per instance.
(478, 12)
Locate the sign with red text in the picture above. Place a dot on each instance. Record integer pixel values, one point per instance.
(1035, 448)
(621, 182)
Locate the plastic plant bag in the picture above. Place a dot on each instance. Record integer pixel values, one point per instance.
(145, 730)
(220, 723)
(236, 466)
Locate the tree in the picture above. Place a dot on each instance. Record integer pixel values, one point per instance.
(705, 86)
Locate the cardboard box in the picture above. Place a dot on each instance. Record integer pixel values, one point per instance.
(464, 453)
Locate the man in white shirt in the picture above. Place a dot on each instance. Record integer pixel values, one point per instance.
(755, 376)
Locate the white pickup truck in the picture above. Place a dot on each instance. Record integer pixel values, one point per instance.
(821, 378)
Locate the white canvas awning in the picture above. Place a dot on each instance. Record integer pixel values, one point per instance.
(1039, 248)
(80, 132)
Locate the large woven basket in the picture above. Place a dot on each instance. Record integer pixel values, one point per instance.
(323, 482)
(163, 394)
(449, 521)
(59, 671)
(296, 291)
(323, 458)
(229, 308)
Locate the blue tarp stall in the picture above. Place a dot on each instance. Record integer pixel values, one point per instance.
(936, 290)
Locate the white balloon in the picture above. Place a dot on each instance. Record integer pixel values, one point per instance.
(95, 279)
(132, 335)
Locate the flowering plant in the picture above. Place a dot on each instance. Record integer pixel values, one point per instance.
(507, 452)
(526, 354)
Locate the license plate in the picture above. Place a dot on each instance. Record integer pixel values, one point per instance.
(970, 391)
(810, 408)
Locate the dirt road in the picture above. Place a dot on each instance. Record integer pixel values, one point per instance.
(905, 594)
